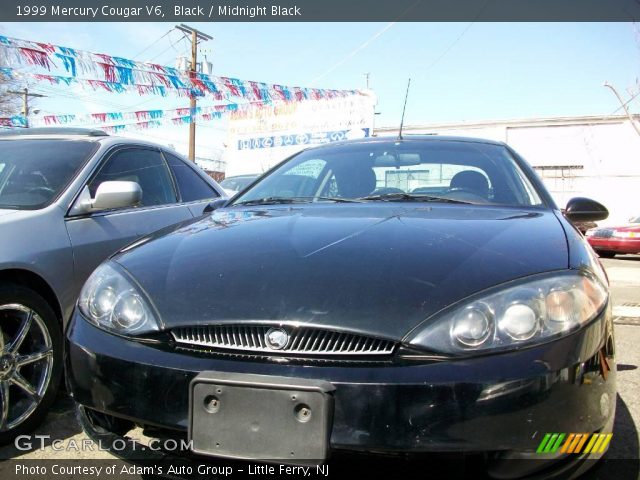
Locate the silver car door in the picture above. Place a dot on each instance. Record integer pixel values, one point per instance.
(96, 235)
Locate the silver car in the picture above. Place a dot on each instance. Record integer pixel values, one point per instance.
(69, 198)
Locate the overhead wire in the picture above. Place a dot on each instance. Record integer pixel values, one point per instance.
(152, 44)
(449, 48)
(626, 103)
(367, 42)
(354, 52)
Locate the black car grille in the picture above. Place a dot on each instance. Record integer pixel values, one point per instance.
(301, 341)
(603, 233)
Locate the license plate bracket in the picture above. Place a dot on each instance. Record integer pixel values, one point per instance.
(259, 417)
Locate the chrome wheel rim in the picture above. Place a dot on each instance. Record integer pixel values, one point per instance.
(26, 363)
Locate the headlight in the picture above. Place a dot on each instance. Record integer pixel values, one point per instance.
(590, 232)
(529, 312)
(110, 301)
(619, 234)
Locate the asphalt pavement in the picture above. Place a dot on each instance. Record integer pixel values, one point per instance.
(624, 276)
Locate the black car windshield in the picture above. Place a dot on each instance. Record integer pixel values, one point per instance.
(33, 172)
(398, 171)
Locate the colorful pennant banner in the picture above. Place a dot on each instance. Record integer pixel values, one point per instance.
(176, 115)
(14, 121)
(117, 74)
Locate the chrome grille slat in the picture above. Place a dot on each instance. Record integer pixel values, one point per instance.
(308, 340)
(295, 341)
(302, 340)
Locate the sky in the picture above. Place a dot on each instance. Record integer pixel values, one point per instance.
(459, 71)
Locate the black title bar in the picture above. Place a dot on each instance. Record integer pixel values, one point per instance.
(319, 10)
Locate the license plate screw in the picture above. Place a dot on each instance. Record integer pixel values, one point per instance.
(303, 413)
(211, 404)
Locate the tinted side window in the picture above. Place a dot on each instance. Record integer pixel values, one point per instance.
(146, 167)
(191, 186)
(34, 172)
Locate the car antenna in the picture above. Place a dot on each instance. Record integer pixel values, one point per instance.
(403, 109)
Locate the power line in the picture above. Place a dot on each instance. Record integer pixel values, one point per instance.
(354, 52)
(458, 38)
(367, 42)
(147, 48)
(625, 104)
(171, 46)
(448, 49)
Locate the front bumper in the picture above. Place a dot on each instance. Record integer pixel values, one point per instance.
(497, 404)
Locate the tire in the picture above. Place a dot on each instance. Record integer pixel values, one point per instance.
(606, 254)
(30, 369)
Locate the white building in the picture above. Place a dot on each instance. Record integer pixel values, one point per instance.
(595, 156)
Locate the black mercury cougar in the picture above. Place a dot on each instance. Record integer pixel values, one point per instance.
(400, 296)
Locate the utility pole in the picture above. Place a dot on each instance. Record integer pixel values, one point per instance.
(25, 102)
(366, 76)
(196, 36)
(624, 105)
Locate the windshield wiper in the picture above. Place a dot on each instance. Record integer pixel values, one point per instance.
(288, 200)
(408, 197)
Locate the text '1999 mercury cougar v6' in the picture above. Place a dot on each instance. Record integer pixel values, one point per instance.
(400, 296)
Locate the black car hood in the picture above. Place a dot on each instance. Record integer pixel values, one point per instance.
(379, 268)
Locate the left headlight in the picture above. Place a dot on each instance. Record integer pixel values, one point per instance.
(528, 312)
(110, 301)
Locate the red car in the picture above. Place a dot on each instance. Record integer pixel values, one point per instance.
(609, 241)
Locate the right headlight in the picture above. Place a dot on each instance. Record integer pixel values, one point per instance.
(110, 301)
(529, 312)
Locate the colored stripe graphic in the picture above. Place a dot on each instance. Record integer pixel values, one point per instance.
(568, 442)
(543, 443)
(582, 442)
(574, 443)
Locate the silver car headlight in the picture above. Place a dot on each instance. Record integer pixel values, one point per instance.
(110, 301)
(529, 312)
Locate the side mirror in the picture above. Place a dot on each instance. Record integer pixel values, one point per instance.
(580, 209)
(116, 194)
(216, 204)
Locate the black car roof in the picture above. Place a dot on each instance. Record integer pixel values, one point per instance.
(411, 138)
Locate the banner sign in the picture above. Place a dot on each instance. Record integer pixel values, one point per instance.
(310, 138)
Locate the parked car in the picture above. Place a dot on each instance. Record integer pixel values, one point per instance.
(609, 241)
(235, 184)
(326, 309)
(69, 198)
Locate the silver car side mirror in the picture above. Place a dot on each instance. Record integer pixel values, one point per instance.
(116, 194)
(113, 194)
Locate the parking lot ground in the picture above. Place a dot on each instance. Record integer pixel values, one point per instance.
(624, 276)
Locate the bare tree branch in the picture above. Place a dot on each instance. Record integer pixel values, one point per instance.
(10, 103)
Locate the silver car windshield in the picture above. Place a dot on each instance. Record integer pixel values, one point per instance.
(33, 172)
(444, 170)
